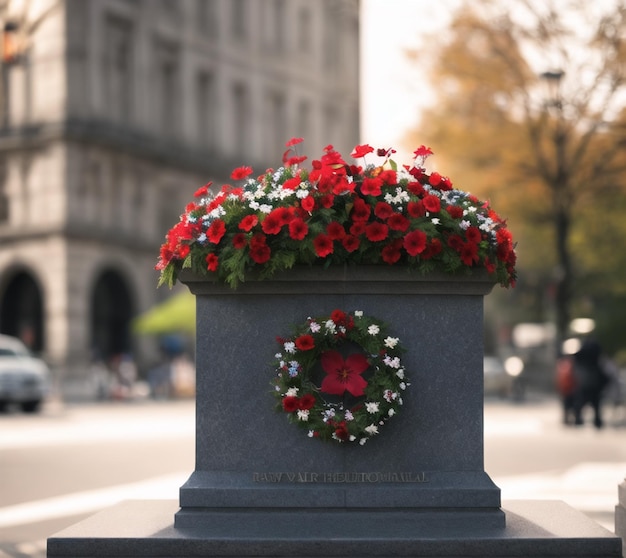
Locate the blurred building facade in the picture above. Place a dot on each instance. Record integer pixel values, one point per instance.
(113, 112)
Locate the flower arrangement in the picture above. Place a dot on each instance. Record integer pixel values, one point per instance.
(361, 369)
(337, 213)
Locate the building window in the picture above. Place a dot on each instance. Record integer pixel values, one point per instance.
(303, 120)
(275, 125)
(274, 25)
(118, 68)
(239, 18)
(166, 91)
(207, 12)
(304, 34)
(242, 120)
(206, 99)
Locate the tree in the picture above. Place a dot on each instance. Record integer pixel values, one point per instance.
(528, 113)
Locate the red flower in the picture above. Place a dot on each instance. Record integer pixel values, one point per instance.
(203, 190)
(323, 245)
(274, 221)
(306, 402)
(308, 203)
(415, 188)
(383, 210)
(432, 249)
(259, 251)
(239, 241)
(434, 179)
(335, 230)
(294, 141)
(212, 262)
(391, 253)
(344, 375)
(423, 151)
(398, 222)
(361, 210)
(241, 172)
(260, 254)
(455, 242)
(469, 253)
(376, 232)
(327, 201)
(341, 431)
(371, 186)
(248, 222)
(455, 211)
(350, 242)
(432, 203)
(216, 231)
(389, 176)
(290, 404)
(414, 242)
(298, 229)
(361, 151)
(473, 234)
(357, 228)
(416, 209)
(338, 316)
(305, 342)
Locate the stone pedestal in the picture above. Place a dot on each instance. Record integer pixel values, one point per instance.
(620, 515)
(427, 460)
(261, 487)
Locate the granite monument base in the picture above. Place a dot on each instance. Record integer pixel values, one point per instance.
(145, 528)
(620, 515)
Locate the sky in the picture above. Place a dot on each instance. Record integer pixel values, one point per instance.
(391, 98)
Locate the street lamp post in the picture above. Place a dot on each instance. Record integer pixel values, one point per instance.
(559, 180)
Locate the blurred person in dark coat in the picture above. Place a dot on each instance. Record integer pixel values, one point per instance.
(591, 381)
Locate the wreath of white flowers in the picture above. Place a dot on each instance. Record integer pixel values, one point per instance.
(363, 377)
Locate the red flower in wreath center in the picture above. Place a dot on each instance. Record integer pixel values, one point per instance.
(344, 375)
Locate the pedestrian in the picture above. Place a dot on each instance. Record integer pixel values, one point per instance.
(591, 381)
(566, 385)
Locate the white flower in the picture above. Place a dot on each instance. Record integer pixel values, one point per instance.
(371, 429)
(391, 412)
(358, 313)
(330, 326)
(435, 220)
(465, 224)
(303, 415)
(362, 441)
(400, 373)
(315, 327)
(265, 208)
(290, 347)
(373, 329)
(372, 407)
(278, 355)
(392, 362)
(292, 392)
(311, 433)
(391, 342)
(402, 386)
(349, 416)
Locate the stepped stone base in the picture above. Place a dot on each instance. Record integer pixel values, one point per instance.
(146, 528)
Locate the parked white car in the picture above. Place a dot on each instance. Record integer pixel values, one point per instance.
(24, 379)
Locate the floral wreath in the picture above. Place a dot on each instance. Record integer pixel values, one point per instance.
(363, 377)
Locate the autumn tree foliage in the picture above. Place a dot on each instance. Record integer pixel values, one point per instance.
(530, 114)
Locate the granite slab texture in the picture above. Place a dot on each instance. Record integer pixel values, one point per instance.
(145, 528)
